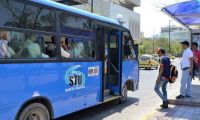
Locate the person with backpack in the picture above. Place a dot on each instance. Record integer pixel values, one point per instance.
(187, 71)
(163, 77)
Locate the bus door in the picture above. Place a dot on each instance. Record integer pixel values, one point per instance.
(111, 64)
(130, 64)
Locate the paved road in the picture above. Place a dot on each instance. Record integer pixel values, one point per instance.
(138, 104)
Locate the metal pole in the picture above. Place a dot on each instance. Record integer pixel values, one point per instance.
(92, 5)
(153, 41)
(190, 36)
(169, 38)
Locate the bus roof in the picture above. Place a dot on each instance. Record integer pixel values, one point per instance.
(76, 11)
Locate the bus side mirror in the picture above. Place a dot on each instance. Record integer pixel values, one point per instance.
(136, 49)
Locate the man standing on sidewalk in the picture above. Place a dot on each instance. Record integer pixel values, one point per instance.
(163, 77)
(187, 71)
(196, 53)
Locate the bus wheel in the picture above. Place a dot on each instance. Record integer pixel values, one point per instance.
(124, 94)
(35, 111)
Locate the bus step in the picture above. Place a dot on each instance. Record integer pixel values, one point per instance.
(106, 92)
(110, 98)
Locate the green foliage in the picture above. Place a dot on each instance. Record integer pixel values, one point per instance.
(176, 48)
(146, 46)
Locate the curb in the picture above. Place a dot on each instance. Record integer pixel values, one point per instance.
(192, 101)
(184, 102)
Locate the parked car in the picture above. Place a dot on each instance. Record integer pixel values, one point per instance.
(171, 56)
(147, 61)
(156, 57)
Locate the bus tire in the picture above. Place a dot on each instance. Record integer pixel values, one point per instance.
(35, 111)
(124, 94)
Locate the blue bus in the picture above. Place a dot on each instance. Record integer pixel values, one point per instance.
(56, 59)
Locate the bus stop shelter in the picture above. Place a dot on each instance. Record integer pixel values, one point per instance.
(187, 14)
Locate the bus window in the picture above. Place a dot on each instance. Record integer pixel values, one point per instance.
(70, 21)
(78, 47)
(22, 15)
(113, 41)
(25, 45)
(129, 52)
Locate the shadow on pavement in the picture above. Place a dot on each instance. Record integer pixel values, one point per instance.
(100, 111)
(178, 112)
(148, 69)
(192, 101)
(185, 109)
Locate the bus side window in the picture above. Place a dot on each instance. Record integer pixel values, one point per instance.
(78, 47)
(83, 48)
(129, 52)
(25, 45)
(26, 16)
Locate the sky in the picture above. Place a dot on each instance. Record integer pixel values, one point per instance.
(152, 18)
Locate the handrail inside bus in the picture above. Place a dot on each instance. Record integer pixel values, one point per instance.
(113, 66)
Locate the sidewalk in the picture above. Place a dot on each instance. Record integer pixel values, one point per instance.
(185, 109)
(176, 113)
(193, 101)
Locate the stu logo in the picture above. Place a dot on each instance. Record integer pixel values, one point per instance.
(74, 78)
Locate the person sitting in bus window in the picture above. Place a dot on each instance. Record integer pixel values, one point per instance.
(41, 42)
(127, 51)
(64, 48)
(5, 50)
(30, 49)
(33, 48)
(79, 49)
(50, 47)
(65, 44)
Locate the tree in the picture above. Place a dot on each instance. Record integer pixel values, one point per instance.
(176, 49)
(146, 46)
(162, 43)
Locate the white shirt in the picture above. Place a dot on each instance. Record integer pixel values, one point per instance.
(185, 62)
(4, 49)
(64, 53)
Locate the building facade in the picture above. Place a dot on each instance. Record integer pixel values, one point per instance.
(115, 9)
(118, 9)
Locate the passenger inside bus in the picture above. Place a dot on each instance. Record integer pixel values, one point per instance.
(127, 50)
(50, 46)
(64, 48)
(29, 48)
(79, 49)
(5, 50)
(41, 42)
(32, 48)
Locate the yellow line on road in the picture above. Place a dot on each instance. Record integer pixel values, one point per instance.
(149, 115)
